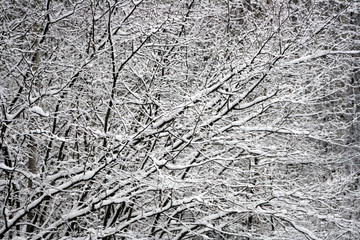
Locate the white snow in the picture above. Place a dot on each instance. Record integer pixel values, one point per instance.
(4, 167)
(162, 121)
(158, 162)
(38, 110)
(306, 231)
(10, 116)
(120, 138)
(320, 54)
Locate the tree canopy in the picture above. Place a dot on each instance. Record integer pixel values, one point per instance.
(209, 119)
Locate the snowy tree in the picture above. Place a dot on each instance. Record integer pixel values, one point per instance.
(179, 119)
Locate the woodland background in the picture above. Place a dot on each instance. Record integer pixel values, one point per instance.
(159, 119)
